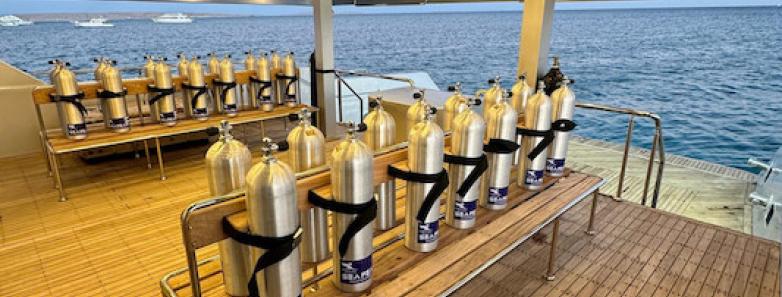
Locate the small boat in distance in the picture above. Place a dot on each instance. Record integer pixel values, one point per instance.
(13, 21)
(99, 22)
(172, 18)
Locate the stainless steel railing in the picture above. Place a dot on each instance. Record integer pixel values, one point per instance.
(657, 147)
(341, 81)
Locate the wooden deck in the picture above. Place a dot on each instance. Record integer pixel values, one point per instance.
(119, 233)
(637, 252)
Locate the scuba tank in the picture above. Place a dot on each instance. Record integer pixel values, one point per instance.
(249, 101)
(454, 105)
(537, 116)
(272, 212)
(276, 68)
(501, 120)
(381, 131)
(56, 66)
(424, 156)
(306, 151)
(287, 82)
(182, 65)
(466, 142)
(197, 100)
(149, 67)
(263, 77)
(521, 93)
(563, 105)
(115, 109)
(553, 78)
(351, 184)
(490, 95)
(213, 64)
(213, 69)
(162, 105)
(417, 111)
(227, 163)
(69, 106)
(100, 67)
(227, 103)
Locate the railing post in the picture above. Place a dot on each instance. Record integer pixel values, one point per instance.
(628, 141)
(649, 168)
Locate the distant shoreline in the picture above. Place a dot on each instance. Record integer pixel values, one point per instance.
(118, 16)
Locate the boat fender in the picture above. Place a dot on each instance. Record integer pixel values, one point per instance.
(72, 99)
(440, 181)
(561, 125)
(365, 215)
(277, 249)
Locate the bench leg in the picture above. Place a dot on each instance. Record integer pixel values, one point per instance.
(591, 227)
(146, 153)
(552, 257)
(58, 178)
(160, 159)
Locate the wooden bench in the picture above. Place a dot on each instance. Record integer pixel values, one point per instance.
(55, 143)
(397, 271)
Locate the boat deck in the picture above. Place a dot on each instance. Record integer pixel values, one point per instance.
(119, 233)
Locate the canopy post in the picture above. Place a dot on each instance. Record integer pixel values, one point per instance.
(535, 39)
(324, 61)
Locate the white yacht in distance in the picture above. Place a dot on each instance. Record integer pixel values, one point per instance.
(93, 23)
(13, 21)
(172, 18)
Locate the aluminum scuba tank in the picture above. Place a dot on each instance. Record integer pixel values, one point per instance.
(537, 116)
(490, 95)
(213, 63)
(272, 212)
(521, 93)
(149, 67)
(501, 120)
(164, 109)
(466, 141)
(100, 67)
(196, 108)
(306, 151)
(381, 131)
(56, 66)
(424, 155)
(115, 109)
(227, 96)
(454, 105)
(227, 163)
(351, 183)
(71, 113)
(249, 101)
(553, 78)
(263, 72)
(182, 65)
(563, 105)
(276, 68)
(417, 111)
(287, 88)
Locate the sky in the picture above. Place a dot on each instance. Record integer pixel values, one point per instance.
(77, 6)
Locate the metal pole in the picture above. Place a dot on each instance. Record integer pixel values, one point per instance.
(58, 178)
(628, 141)
(42, 136)
(661, 153)
(591, 227)
(146, 153)
(160, 159)
(649, 168)
(552, 257)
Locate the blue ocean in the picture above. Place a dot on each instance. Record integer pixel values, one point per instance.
(714, 75)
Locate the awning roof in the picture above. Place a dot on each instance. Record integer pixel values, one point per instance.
(342, 2)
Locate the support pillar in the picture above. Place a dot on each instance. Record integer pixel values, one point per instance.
(324, 60)
(535, 39)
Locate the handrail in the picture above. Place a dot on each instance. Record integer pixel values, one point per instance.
(657, 141)
(340, 81)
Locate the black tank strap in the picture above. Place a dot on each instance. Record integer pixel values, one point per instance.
(480, 163)
(201, 91)
(561, 125)
(264, 84)
(500, 146)
(277, 249)
(366, 213)
(72, 99)
(293, 79)
(227, 86)
(161, 92)
(104, 94)
(325, 71)
(440, 181)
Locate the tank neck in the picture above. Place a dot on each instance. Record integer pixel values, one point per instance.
(225, 131)
(268, 147)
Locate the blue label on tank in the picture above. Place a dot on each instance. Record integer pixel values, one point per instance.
(166, 117)
(533, 177)
(555, 166)
(464, 211)
(119, 123)
(229, 107)
(498, 196)
(356, 272)
(199, 112)
(427, 232)
(77, 129)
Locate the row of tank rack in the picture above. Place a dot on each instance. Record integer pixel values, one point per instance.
(267, 260)
(274, 81)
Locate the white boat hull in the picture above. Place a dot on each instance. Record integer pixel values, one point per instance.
(172, 21)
